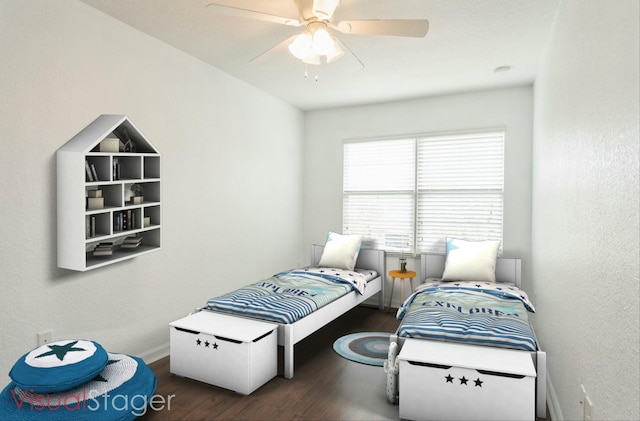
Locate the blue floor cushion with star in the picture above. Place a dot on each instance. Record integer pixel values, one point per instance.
(59, 366)
(121, 391)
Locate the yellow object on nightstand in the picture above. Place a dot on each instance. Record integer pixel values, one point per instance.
(393, 274)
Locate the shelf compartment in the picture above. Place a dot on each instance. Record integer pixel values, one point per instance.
(98, 225)
(153, 213)
(112, 194)
(127, 167)
(151, 167)
(119, 254)
(150, 192)
(127, 220)
(101, 165)
(151, 241)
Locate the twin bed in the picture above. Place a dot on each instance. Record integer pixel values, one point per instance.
(301, 301)
(472, 318)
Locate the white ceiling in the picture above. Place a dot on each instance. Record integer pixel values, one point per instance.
(467, 40)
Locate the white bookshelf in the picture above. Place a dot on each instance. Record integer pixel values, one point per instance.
(81, 229)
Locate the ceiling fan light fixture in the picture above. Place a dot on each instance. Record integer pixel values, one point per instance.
(301, 45)
(336, 53)
(322, 43)
(312, 58)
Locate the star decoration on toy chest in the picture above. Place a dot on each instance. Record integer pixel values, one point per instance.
(207, 344)
(463, 380)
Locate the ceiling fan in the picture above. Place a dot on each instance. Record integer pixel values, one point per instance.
(316, 16)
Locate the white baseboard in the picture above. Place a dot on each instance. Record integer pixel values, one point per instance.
(552, 401)
(155, 354)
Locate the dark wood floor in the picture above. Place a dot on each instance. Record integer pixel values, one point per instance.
(325, 386)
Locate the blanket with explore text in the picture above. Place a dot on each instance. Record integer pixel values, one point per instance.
(478, 313)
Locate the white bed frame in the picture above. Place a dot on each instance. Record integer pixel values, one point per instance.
(291, 334)
(507, 271)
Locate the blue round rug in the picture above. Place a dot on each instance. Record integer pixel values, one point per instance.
(370, 348)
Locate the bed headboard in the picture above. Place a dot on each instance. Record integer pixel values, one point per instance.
(367, 259)
(507, 270)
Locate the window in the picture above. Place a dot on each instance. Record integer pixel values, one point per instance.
(410, 194)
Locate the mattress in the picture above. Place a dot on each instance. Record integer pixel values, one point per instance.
(478, 313)
(289, 296)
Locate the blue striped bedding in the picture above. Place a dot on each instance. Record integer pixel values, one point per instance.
(475, 313)
(289, 296)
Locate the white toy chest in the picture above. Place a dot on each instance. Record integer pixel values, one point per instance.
(231, 352)
(446, 381)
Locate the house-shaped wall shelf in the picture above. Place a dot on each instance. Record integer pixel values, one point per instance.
(109, 195)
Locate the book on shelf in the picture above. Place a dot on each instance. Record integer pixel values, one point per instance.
(115, 169)
(87, 169)
(124, 220)
(103, 249)
(94, 173)
(91, 226)
(131, 242)
(117, 221)
(103, 253)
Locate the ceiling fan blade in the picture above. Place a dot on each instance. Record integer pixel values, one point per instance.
(324, 9)
(251, 14)
(280, 45)
(398, 27)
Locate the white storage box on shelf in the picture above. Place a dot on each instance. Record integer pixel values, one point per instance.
(231, 352)
(445, 381)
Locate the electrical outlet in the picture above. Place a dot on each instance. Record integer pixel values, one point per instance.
(588, 409)
(587, 405)
(44, 337)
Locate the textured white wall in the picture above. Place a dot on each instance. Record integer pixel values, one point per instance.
(585, 242)
(325, 131)
(230, 213)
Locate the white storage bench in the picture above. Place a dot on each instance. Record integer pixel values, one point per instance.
(446, 381)
(230, 352)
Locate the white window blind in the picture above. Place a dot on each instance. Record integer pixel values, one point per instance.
(460, 188)
(410, 194)
(379, 192)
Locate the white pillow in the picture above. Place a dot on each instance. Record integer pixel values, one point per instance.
(470, 260)
(341, 251)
